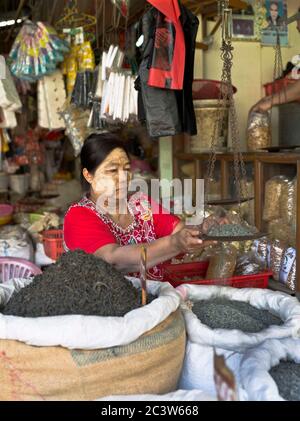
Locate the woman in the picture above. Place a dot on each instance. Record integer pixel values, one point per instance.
(116, 235)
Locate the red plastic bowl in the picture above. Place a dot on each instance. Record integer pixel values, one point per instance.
(6, 210)
(207, 89)
(277, 86)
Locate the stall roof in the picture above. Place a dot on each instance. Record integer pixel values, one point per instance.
(52, 10)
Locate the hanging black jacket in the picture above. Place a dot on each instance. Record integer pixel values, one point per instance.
(167, 112)
(190, 24)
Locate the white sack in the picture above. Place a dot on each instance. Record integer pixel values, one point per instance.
(15, 242)
(256, 364)
(198, 368)
(93, 332)
(279, 304)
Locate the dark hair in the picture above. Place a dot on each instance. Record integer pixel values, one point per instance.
(96, 149)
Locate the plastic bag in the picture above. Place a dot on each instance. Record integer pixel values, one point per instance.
(82, 92)
(275, 257)
(273, 191)
(213, 189)
(261, 248)
(222, 263)
(249, 264)
(259, 133)
(76, 121)
(287, 274)
(288, 201)
(280, 230)
(36, 51)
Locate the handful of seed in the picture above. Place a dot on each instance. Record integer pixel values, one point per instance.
(220, 313)
(287, 377)
(230, 230)
(78, 283)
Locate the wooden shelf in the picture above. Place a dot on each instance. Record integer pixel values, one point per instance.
(263, 164)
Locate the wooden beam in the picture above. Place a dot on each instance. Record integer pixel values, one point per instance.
(201, 46)
(21, 4)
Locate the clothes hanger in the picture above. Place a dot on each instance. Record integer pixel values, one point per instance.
(72, 18)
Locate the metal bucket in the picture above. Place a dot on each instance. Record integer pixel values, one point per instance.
(19, 183)
(208, 112)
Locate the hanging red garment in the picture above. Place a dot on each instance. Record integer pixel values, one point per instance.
(168, 61)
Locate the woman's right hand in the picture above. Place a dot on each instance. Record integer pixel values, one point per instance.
(187, 240)
(265, 104)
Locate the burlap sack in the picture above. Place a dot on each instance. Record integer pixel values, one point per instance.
(150, 365)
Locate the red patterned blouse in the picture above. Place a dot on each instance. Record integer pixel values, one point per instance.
(88, 229)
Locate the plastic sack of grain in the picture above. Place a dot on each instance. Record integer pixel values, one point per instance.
(280, 230)
(261, 248)
(288, 201)
(246, 209)
(256, 364)
(259, 133)
(249, 264)
(287, 275)
(15, 242)
(275, 257)
(222, 263)
(273, 191)
(86, 357)
(198, 365)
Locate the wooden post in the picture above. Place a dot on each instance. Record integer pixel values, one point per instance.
(298, 229)
(224, 178)
(258, 190)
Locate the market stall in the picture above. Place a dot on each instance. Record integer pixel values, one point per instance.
(107, 285)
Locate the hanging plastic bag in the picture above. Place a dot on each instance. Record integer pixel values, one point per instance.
(259, 133)
(82, 92)
(76, 121)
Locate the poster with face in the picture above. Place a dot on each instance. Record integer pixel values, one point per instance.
(275, 23)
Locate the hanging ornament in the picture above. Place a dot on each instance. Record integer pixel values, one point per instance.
(36, 51)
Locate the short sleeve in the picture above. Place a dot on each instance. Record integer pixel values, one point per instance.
(84, 230)
(164, 221)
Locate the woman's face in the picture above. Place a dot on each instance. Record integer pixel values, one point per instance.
(112, 177)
